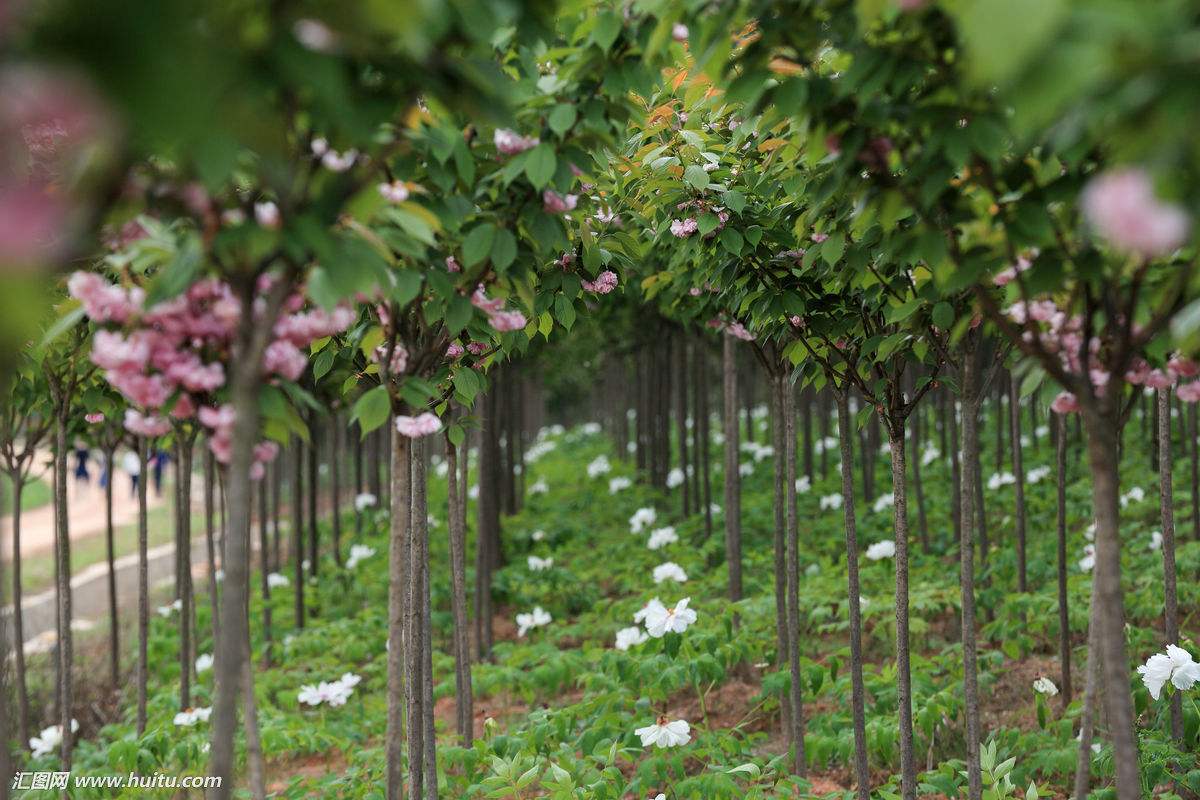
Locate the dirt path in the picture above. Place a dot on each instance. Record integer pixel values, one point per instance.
(85, 512)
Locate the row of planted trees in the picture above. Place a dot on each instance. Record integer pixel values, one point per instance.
(881, 201)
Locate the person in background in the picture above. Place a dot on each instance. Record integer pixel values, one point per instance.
(159, 460)
(133, 467)
(81, 464)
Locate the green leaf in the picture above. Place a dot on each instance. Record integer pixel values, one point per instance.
(943, 315)
(408, 286)
(540, 166)
(467, 384)
(1002, 36)
(562, 118)
(734, 201)
(696, 177)
(608, 28)
(504, 249)
(707, 223)
(372, 409)
(564, 309)
(731, 240)
(478, 244)
(833, 248)
(458, 314)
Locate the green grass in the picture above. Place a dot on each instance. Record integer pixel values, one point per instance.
(34, 494)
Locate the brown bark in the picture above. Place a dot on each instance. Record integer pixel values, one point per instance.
(1167, 513)
(21, 687)
(1014, 415)
(908, 767)
(143, 585)
(1064, 617)
(464, 715)
(787, 403)
(966, 546)
(397, 644)
(733, 488)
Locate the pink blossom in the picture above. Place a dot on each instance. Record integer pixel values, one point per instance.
(679, 32)
(1006, 276)
(477, 348)
(102, 301)
(416, 427)
(1065, 403)
(267, 215)
(504, 321)
(184, 408)
(145, 424)
(485, 304)
(215, 418)
(1159, 379)
(738, 330)
(93, 418)
(334, 161)
(510, 143)
(1183, 367)
(32, 222)
(399, 361)
(454, 350)
(394, 192)
(556, 203)
(695, 291)
(1122, 207)
(284, 359)
(265, 451)
(1188, 392)
(796, 321)
(684, 228)
(820, 237)
(452, 265)
(605, 282)
(150, 391)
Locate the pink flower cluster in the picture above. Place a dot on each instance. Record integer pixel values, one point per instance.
(399, 361)
(1007, 276)
(556, 203)
(1122, 207)
(738, 331)
(510, 143)
(683, 228)
(605, 282)
(500, 319)
(418, 426)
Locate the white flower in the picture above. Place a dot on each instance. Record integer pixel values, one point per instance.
(714, 509)
(332, 693)
(1000, 479)
(1135, 495)
(831, 501)
(473, 492)
(1176, 666)
(1089, 558)
(642, 519)
(664, 733)
(204, 662)
(1036, 474)
(930, 455)
(538, 535)
(669, 571)
(167, 610)
(881, 550)
(539, 486)
(1089, 532)
(276, 580)
(661, 620)
(364, 501)
(618, 484)
(662, 537)
(534, 619)
(538, 564)
(1156, 540)
(675, 478)
(630, 637)
(190, 716)
(884, 502)
(746, 469)
(1045, 686)
(598, 467)
(49, 740)
(803, 484)
(358, 552)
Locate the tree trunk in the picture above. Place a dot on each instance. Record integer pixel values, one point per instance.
(419, 569)
(254, 755)
(18, 623)
(908, 767)
(950, 420)
(854, 599)
(183, 557)
(335, 487)
(314, 490)
(1102, 440)
(264, 569)
(1014, 414)
(210, 540)
(918, 485)
(464, 714)
(1167, 512)
(62, 540)
(398, 646)
(1194, 457)
(298, 529)
(1064, 617)
(1087, 718)
(787, 402)
(966, 552)
(704, 437)
(143, 669)
(114, 646)
(783, 630)
(733, 489)
(681, 409)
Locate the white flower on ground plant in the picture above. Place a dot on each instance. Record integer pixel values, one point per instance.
(665, 733)
(276, 580)
(1176, 666)
(618, 484)
(169, 609)
(49, 740)
(331, 693)
(930, 455)
(1135, 495)
(190, 716)
(661, 620)
(1089, 532)
(1037, 474)
(473, 492)
(803, 484)
(884, 502)
(662, 537)
(830, 501)
(630, 637)
(1089, 558)
(204, 662)
(675, 478)
(669, 571)
(539, 564)
(598, 467)
(539, 486)
(533, 619)
(642, 518)
(1156, 540)
(364, 501)
(1045, 686)
(746, 469)
(359, 552)
(881, 550)
(537, 535)
(999, 479)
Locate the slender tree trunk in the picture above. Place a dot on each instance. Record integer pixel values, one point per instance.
(488, 524)
(183, 557)
(264, 569)
(255, 767)
(1014, 414)
(464, 714)
(398, 645)
(335, 486)
(314, 490)
(783, 630)
(966, 547)
(787, 401)
(733, 488)
(681, 392)
(114, 644)
(143, 669)
(63, 560)
(298, 529)
(950, 420)
(918, 486)
(1064, 617)
(1087, 719)
(704, 438)
(854, 600)
(419, 570)
(22, 690)
(1167, 512)
(1103, 455)
(1194, 457)
(908, 767)
(210, 540)
(276, 491)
